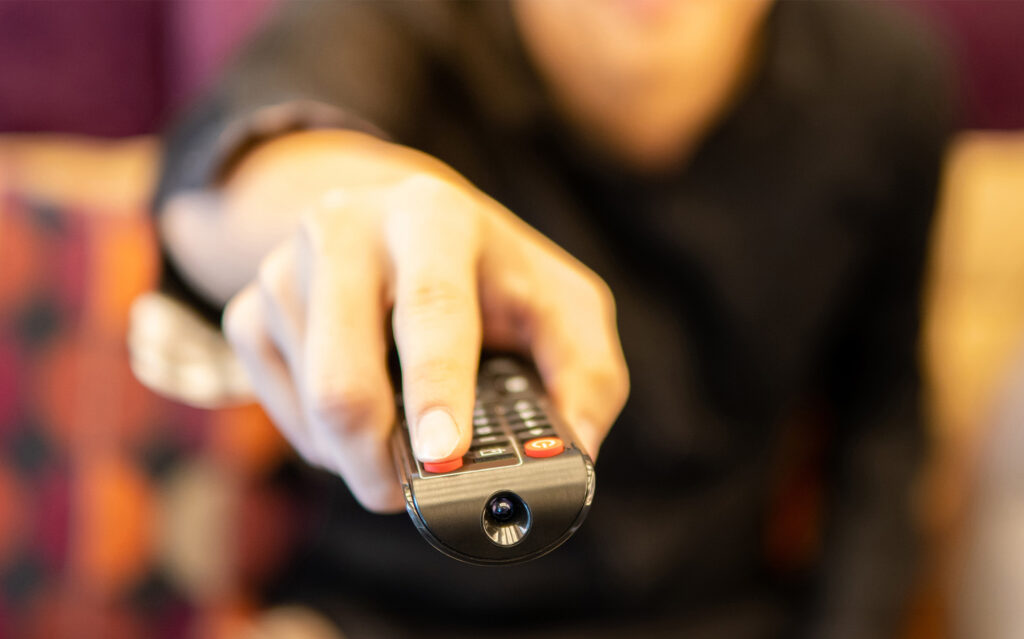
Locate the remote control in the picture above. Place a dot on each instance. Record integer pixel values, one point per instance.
(523, 488)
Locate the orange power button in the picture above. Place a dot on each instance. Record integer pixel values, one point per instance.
(544, 447)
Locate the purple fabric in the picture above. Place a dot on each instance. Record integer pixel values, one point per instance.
(121, 67)
(986, 40)
(111, 68)
(83, 67)
(204, 34)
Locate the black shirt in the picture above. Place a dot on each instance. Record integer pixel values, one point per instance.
(775, 280)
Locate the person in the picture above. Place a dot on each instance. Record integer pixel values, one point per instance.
(752, 181)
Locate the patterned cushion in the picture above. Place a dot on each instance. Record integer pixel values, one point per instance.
(122, 514)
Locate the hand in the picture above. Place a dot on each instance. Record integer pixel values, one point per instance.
(454, 268)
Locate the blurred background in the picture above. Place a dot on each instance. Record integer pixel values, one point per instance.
(124, 515)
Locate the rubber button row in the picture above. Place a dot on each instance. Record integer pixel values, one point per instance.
(531, 433)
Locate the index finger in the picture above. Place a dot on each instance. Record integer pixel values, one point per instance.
(437, 324)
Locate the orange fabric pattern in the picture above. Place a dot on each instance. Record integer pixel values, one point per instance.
(96, 536)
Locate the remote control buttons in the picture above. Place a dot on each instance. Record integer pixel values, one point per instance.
(544, 447)
(516, 384)
(488, 440)
(490, 453)
(502, 366)
(534, 433)
(443, 467)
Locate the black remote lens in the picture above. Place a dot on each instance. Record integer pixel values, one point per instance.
(502, 508)
(506, 518)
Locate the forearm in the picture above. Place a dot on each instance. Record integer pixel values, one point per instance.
(318, 67)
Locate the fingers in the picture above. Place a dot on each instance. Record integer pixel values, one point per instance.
(539, 300)
(312, 332)
(246, 330)
(345, 386)
(575, 345)
(436, 320)
(281, 305)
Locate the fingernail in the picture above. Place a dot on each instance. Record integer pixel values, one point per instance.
(437, 436)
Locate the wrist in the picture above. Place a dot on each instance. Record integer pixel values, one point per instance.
(308, 163)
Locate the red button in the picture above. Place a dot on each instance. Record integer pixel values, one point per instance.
(443, 467)
(544, 447)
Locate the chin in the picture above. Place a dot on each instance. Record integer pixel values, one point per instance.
(641, 152)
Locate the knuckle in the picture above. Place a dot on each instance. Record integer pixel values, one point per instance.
(597, 292)
(610, 379)
(603, 292)
(583, 290)
(621, 384)
(601, 377)
(237, 323)
(272, 272)
(345, 406)
(434, 297)
(425, 196)
(422, 186)
(433, 373)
